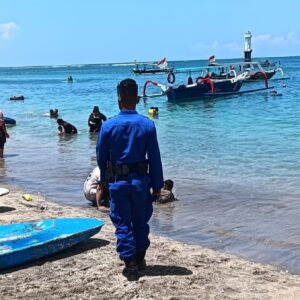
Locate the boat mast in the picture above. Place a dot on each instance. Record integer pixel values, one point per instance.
(247, 50)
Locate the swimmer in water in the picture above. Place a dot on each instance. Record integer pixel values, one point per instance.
(54, 113)
(274, 93)
(65, 127)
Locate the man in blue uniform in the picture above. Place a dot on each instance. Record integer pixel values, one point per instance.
(129, 142)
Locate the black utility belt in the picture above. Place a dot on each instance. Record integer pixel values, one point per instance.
(123, 171)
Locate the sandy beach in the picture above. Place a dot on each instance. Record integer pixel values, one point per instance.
(92, 270)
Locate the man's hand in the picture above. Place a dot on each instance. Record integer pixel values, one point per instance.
(155, 192)
(99, 193)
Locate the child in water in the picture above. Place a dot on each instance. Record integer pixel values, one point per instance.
(166, 194)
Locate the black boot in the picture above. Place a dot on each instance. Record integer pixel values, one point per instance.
(140, 260)
(131, 268)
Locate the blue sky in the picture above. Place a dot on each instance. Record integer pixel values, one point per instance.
(53, 32)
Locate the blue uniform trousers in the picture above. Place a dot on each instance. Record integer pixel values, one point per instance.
(131, 210)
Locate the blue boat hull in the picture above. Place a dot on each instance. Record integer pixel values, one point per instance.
(199, 91)
(24, 242)
(9, 121)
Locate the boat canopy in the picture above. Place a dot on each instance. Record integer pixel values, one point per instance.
(226, 66)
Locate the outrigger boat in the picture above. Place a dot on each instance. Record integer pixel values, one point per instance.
(152, 68)
(225, 82)
(254, 71)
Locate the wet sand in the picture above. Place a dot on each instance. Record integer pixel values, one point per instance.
(92, 270)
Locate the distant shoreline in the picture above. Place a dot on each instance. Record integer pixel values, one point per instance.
(133, 63)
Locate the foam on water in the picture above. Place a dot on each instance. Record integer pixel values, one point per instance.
(235, 161)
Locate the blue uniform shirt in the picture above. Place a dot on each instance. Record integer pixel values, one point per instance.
(130, 138)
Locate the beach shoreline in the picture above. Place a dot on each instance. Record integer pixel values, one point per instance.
(92, 269)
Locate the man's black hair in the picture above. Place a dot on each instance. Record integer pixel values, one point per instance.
(127, 88)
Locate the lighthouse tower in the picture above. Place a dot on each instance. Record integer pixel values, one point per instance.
(247, 50)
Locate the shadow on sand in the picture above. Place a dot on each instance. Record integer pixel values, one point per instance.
(161, 270)
(77, 249)
(4, 209)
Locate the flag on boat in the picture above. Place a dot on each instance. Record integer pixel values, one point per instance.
(162, 64)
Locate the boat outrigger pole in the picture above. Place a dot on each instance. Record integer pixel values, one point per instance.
(162, 87)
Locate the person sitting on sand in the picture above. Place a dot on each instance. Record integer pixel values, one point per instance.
(95, 120)
(166, 194)
(3, 134)
(93, 193)
(54, 113)
(65, 127)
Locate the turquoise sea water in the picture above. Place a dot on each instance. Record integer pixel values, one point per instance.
(235, 161)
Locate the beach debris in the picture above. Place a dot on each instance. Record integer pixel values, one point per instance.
(27, 197)
(3, 191)
(42, 207)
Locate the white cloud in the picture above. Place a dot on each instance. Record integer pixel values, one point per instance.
(268, 39)
(8, 30)
(230, 46)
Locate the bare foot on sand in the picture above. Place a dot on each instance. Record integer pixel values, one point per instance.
(103, 209)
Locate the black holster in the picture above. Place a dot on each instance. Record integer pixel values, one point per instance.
(123, 171)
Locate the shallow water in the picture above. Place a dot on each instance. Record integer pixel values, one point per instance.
(235, 161)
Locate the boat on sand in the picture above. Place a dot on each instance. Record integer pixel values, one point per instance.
(24, 242)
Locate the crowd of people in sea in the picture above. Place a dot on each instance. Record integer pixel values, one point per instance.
(128, 178)
(91, 190)
(129, 175)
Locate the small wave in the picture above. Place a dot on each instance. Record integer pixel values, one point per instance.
(123, 65)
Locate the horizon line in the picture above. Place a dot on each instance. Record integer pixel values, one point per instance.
(134, 62)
